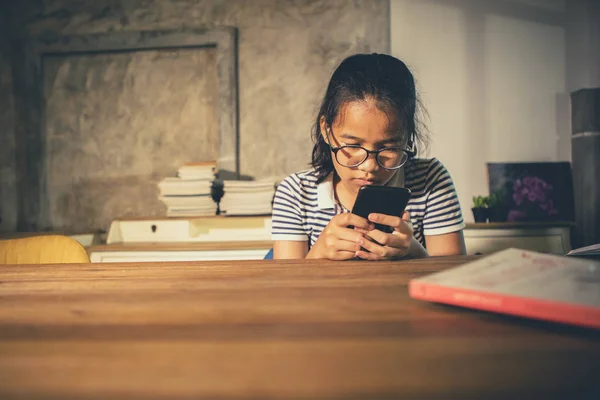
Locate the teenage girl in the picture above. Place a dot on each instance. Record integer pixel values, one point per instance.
(366, 133)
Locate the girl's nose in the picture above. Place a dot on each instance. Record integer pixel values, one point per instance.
(370, 164)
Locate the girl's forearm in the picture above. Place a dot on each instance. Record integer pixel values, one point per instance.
(416, 249)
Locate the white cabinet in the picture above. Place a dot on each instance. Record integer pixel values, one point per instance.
(189, 230)
(156, 252)
(185, 239)
(487, 238)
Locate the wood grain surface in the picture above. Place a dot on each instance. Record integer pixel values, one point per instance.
(271, 329)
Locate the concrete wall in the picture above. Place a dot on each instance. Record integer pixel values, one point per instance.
(115, 124)
(286, 53)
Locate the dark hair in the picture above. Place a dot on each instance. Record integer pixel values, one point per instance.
(381, 77)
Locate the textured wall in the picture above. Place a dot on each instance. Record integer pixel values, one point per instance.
(287, 51)
(117, 123)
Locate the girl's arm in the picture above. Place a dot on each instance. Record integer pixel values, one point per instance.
(449, 244)
(286, 249)
(416, 249)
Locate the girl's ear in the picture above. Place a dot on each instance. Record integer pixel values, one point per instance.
(323, 126)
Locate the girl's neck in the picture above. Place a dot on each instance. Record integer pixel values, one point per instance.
(342, 196)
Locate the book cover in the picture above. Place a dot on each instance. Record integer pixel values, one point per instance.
(587, 251)
(522, 283)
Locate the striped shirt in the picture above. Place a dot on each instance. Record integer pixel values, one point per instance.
(302, 208)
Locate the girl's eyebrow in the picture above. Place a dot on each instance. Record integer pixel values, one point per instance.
(386, 141)
(351, 137)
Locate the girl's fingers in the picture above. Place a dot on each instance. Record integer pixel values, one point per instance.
(402, 225)
(348, 219)
(343, 255)
(346, 234)
(387, 245)
(395, 239)
(374, 248)
(335, 242)
(365, 255)
(383, 219)
(344, 245)
(383, 253)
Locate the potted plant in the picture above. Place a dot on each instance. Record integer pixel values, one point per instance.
(495, 212)
(480, 208)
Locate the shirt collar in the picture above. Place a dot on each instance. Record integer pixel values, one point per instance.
(326, 196)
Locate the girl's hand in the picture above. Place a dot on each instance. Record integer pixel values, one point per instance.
(388, 245)
(338, 241)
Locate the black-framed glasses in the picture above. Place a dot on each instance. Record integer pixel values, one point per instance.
(352, 155)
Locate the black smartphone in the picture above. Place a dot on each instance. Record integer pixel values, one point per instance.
(382, 200)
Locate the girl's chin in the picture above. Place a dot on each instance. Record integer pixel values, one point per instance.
(351, 186)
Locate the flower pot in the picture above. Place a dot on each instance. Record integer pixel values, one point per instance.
(480, 214)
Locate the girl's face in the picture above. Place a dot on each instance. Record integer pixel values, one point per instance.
(362, 123)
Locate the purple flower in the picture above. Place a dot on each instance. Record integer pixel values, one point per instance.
(528, 192)
(518, 189)
(549, 207)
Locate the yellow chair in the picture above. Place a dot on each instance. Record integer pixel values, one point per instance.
(44, 249)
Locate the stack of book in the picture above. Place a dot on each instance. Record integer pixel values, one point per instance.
(190, 193)
(247, 197)
(198, 171)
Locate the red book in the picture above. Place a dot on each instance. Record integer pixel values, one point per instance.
(521, 283)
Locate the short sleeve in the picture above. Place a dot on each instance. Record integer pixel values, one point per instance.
(442, 211)
(287, 212)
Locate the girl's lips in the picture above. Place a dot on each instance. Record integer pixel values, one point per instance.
(364, 182)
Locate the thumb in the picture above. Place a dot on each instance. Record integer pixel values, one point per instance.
(406, 216)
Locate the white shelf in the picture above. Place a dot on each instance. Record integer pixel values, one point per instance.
(168, 255)
(544, 239)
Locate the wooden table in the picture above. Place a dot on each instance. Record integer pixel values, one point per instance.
(271, 329)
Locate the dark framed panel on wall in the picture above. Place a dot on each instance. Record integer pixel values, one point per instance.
(30, 53)
(532, 191)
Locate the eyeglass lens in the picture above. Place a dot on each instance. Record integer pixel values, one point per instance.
(351, 156)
